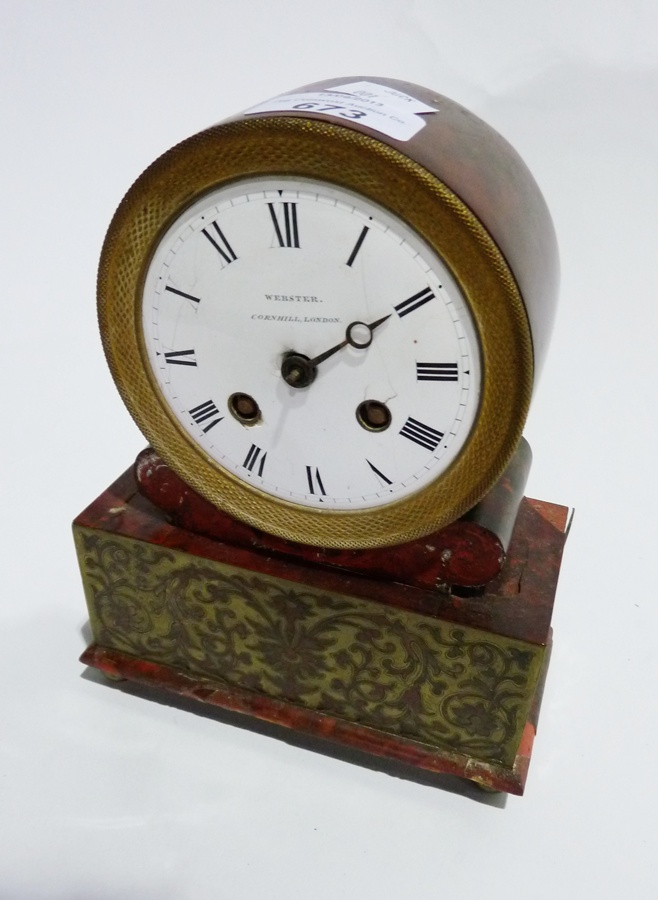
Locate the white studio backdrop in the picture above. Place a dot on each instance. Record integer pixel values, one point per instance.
(106, 794)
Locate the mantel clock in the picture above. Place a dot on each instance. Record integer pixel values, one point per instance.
(326, 315)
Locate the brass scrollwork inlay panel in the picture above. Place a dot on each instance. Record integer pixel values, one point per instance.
(446, 686)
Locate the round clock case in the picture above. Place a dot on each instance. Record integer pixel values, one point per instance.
(329, 330)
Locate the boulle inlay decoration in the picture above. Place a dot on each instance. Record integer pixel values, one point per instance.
(454, 688)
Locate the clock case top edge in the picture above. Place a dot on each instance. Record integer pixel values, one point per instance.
(489, 176)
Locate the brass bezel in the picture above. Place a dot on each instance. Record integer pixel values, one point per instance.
(284, 145)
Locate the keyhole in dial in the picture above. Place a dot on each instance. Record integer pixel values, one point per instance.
(244, 408)
(373, 415)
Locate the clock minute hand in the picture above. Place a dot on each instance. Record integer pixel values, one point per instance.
(298, 371)
(358, 335)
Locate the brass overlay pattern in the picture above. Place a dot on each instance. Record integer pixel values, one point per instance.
(449, 687)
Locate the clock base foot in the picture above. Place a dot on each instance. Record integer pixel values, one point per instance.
(397, 675)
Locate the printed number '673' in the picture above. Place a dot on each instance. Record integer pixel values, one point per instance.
(332, 108)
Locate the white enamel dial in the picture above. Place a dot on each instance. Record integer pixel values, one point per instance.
(245, 296)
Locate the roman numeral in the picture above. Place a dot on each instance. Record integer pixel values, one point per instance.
(253, 457)
(203, 412)
(286, 229)
(380, 475)
(174, 290)
(437, 372)
(180, 358)
(314, 481)
(219, 242)
(357, 246)
(421, 434)
(415, 302)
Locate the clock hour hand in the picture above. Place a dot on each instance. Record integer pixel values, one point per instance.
(299, 371)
